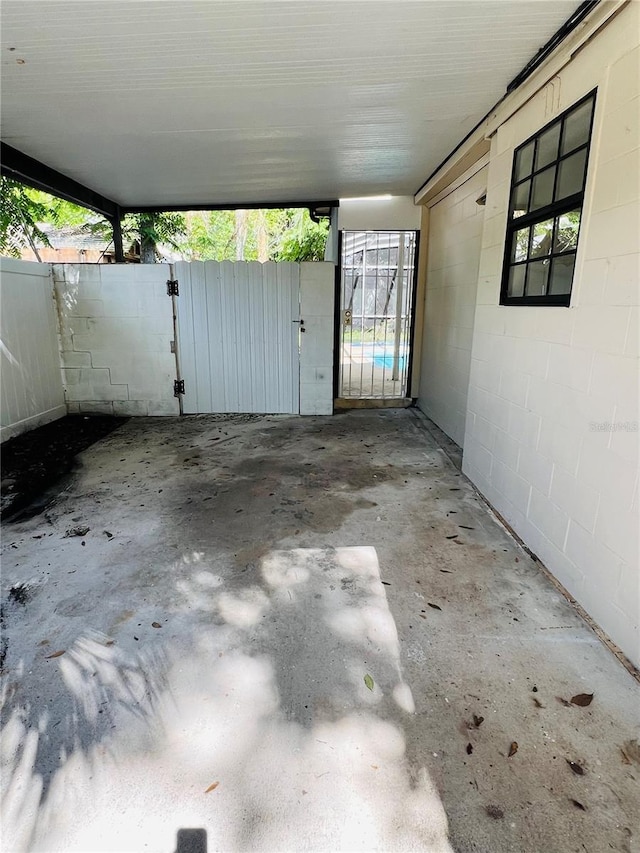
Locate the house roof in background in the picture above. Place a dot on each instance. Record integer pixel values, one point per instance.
(165, 103)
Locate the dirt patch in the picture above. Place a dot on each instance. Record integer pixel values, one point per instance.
(34, 462)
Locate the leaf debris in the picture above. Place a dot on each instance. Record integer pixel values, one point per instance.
(582, 699)
(368, 681)
(577, 769)
(477, 721)
(55, 654)
(513, 748)
(212, 787)
(76, 531)
(495, 812)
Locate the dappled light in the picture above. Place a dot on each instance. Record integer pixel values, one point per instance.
(280, 716)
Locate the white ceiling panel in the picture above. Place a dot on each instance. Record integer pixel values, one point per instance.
(153, 102)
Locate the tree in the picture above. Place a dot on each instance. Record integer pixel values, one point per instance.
(149, 230)
(249, 235)
(19, 218)
(154, 229)
(255, 235)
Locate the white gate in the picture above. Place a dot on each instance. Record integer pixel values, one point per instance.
(238, 336)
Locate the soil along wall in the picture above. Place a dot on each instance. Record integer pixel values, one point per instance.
(32, 391)
(116, 329)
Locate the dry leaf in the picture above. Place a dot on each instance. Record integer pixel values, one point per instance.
(632, 750)
(469, 748)
(156, 625)
(563, 702)
(477, 721)
(579, 771)
(625, 757)
(582, 699)
(368, 681)
(513, 748)
(495, 812)
(212, 787)
(77, 531)
(578, 805)
(537, 703)
(435, 606)
(55, 654)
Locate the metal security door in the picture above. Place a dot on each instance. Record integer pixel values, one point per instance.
(376, 293)
(238, 336)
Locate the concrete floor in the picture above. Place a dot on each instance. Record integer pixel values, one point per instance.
(277, 635)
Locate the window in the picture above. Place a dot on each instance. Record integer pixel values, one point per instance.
(545, 207)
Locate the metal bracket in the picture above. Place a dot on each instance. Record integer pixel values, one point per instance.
(178, 387)
(172, 287)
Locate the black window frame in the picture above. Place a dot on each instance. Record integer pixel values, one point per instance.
(550, 211)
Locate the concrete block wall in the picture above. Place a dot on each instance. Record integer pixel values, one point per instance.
(31, 387)
(454, 243)
(317, 293)
(116, 328)
(552, 426)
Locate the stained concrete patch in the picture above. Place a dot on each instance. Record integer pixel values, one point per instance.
(235, 536)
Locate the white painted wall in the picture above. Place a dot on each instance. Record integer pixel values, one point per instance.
(396, 213)
(116, 328)
(551, 436)
(317, 292)
(31, 386)
(453, 256)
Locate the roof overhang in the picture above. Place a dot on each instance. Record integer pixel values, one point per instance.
(162, 105)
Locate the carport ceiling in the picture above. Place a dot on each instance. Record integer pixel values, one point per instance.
(167, 103)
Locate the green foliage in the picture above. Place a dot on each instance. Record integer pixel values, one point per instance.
(309, 246)
(250, 235)
(153, 229)
(59, 212)
(19, 218)
(148, 229)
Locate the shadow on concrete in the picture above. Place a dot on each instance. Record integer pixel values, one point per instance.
(272, 715)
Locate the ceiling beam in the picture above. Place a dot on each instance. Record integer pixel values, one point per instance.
(244, 205)
(27, 170)
(14, 164)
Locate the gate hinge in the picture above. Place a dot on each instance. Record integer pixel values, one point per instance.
(172, 287)
(178, 387)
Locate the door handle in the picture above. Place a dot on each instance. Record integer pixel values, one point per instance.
(302, 328)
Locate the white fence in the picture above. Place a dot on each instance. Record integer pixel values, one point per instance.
(238, 335)
(32, 392)
(106, 343)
